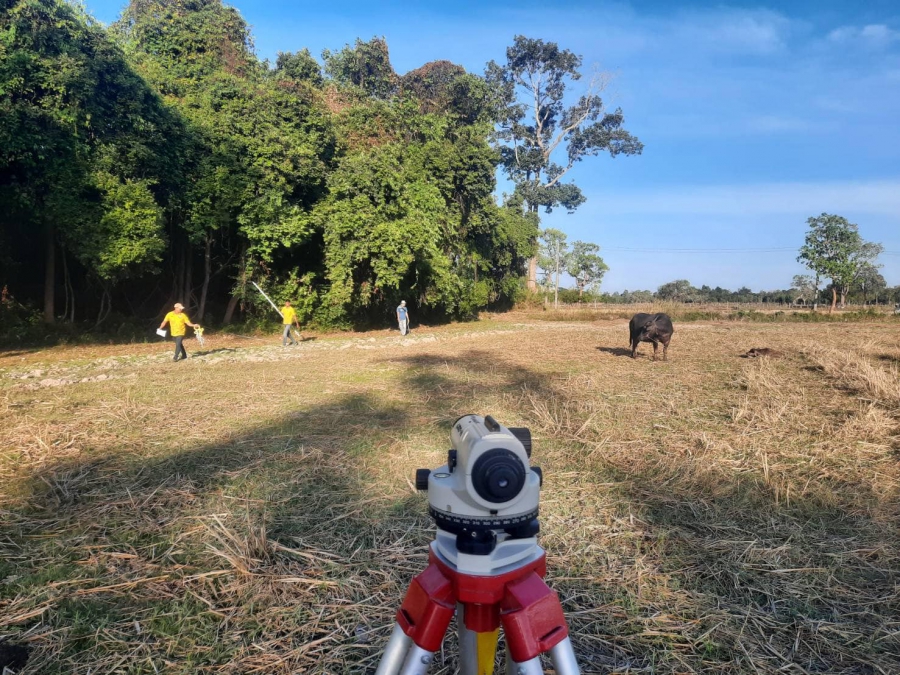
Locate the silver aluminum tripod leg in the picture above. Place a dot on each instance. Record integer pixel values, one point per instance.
(394, 653)
(468, 645)
(563, 657)
(529, 667)
(418, 661)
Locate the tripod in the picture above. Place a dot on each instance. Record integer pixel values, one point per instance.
(486, 591)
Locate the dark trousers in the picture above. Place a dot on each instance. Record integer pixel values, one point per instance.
(179, 347)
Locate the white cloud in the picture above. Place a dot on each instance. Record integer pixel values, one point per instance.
(843, 34)
(873, 35)
(719, 31)
(879, 197)
(680, 33)
(879, 33)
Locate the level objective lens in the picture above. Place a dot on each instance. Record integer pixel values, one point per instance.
(498, 476)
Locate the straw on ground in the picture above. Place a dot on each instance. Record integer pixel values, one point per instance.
(251, 510)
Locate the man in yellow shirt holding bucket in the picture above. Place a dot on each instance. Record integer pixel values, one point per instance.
(177, 320)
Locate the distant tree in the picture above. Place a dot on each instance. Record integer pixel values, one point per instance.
(127, 239)
(432, 84)
(834, 249)
(299, 66)
(719, 294)
(745, 294)
(554, 254)
(863, 260)
(366, 65)
(546, 282)
(869, 281)
(781, 296)
(585, 266)
(536, 126)
(806, 286)
(678, 290)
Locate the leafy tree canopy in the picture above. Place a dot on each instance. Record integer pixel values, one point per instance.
(541, 136)
(585, 266)
(366, 65)
(299, 66)
(432, 84)
(834, 249)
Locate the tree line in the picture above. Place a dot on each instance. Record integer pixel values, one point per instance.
(844, 269)
(682, 290)
(160, 160)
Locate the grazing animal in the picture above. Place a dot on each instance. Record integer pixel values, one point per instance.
(653, 328)
(756, 352)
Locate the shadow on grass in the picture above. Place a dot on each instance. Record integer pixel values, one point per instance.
(200, 556)
(14, 352)
(220, 350)
(288, 547)
(615, 351)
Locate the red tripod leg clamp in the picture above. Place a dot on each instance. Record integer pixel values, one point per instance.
(532, 618)
(427, 608)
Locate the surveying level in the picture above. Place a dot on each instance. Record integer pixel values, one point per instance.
(484, 565)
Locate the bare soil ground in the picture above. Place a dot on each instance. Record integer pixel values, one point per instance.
(251, 509)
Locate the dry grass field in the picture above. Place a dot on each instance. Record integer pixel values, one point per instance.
(251, 510)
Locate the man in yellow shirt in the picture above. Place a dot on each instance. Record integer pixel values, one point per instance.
(288, 317)
(178, 320)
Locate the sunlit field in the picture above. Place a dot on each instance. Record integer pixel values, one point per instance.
(251, 510)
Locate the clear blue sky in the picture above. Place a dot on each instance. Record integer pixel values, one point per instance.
(754, 117)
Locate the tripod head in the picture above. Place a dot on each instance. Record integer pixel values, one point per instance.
(487, 487)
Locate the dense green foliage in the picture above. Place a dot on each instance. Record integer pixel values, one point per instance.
(160, 160)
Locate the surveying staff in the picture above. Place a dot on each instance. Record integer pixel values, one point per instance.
(403, 318)
(178, 320)
(288, 317)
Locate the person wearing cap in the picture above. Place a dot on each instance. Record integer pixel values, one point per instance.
(177, 320)
(288, 317)
(403, 318)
